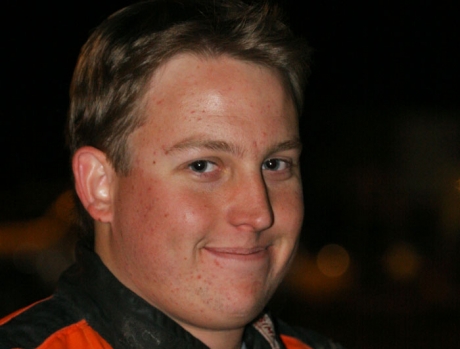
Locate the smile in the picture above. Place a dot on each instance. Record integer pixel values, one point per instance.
(239, 253)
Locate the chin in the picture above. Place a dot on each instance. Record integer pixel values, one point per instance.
(245, 308)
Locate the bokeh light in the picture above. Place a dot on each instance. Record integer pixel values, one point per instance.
(333, 260)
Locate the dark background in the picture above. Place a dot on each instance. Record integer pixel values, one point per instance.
(381, 162)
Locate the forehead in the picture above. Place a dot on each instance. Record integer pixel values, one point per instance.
(220, 99)
(190, 70)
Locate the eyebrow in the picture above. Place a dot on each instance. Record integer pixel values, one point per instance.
(288, 145)
(224, 146)
(192, 143)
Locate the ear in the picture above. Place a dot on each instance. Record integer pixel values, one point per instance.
(94, 178)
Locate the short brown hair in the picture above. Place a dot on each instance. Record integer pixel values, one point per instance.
(122, 54)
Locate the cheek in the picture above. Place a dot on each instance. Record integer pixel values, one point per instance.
(165, 210)
(289, 208)
(198, 210)
(136, 205)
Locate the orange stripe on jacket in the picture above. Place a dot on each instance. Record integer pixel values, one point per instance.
(293, 343)
(76, 336)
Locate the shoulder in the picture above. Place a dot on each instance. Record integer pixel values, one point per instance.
(48, 324)
(300, 338)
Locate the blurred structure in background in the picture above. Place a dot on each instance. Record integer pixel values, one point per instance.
(34, 252)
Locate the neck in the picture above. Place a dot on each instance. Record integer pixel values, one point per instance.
(225, 339)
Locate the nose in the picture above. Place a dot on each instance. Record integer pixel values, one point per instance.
(249, 204)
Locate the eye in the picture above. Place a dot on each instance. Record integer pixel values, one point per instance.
(202, 166)
(275, 165)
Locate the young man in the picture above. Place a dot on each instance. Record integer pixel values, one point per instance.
(183, 128)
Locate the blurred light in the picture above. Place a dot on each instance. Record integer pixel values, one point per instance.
(18, 238)
(402, 261)
(333, 260)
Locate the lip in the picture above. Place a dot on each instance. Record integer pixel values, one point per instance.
(239, 253)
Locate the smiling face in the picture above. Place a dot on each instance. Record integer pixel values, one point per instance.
(206, 222)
